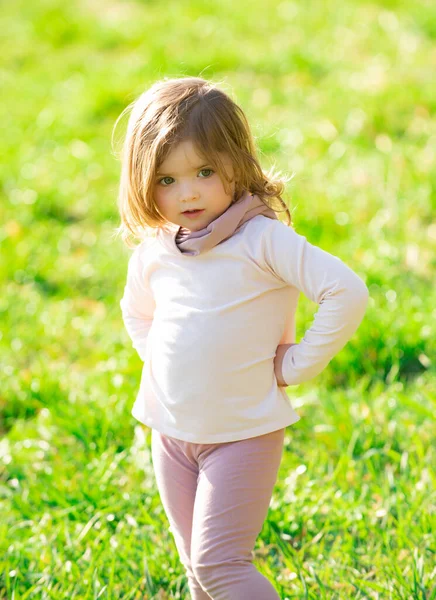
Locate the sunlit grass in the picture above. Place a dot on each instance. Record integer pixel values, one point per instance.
(340, 95)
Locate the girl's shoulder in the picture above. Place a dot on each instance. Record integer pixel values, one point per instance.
(141, 252)
(148, 240)
(266, 226)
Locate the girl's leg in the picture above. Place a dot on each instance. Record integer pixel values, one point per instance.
(235, 485)
(176, 478)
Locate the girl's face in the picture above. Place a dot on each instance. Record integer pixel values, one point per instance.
(185, 181)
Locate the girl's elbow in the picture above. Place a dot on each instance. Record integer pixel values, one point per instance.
(360, 294)
(359, 300)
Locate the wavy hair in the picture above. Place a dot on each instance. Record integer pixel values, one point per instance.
(175, 110)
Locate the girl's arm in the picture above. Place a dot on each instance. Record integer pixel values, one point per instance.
(278, 363)
(137, 305)
(341, 294)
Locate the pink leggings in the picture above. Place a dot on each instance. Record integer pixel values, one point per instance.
(216, 498)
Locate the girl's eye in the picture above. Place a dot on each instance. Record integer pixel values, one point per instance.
(210, 171)
(163, 179)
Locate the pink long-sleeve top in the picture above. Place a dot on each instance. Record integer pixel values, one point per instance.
(207, 328)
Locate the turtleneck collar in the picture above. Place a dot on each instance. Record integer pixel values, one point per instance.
(220, 229)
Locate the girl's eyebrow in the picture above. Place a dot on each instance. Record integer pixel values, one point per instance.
(194, 169)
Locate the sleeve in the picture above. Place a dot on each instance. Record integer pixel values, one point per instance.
(341, 294)
(137, 304)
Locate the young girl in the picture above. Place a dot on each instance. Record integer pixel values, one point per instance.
(209, 304)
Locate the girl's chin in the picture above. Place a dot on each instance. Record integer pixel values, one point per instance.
(195, 224)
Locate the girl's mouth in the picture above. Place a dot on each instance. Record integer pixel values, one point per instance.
(193, 213)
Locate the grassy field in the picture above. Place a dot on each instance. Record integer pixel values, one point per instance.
(341, 95)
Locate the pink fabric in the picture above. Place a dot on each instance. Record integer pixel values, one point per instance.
(248, 206)
(216, 498)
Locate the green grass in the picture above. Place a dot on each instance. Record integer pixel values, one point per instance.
(341, 95)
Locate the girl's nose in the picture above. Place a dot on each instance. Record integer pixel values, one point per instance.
(188, 193)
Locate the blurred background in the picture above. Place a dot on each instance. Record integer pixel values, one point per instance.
(341, 96)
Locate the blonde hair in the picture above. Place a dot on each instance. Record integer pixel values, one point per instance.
(175, 110)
